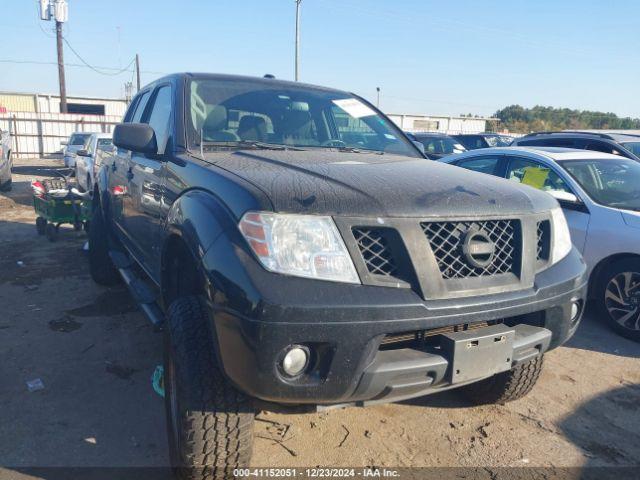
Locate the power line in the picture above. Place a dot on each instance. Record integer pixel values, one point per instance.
(37, 62)
(94, 68)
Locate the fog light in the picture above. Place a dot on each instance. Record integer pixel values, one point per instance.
(295, 361)
(575, 310)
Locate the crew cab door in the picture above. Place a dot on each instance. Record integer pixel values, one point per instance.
(118, 165)
(144, 179)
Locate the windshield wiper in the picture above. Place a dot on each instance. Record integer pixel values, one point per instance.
(353, 150)
(250, 144)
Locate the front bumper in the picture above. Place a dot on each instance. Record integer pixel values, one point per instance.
(257, 315)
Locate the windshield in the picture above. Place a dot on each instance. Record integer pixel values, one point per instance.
(498, 140)
(440, 145)
(613, 183)
(79, 139)
(236, 114)
(105, 143)
(634, 147)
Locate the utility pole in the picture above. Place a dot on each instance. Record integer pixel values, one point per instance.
(61, 76)
(137, 72)
(59, 11)
(298, 2)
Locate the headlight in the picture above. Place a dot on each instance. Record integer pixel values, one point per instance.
(561, 241)
(301, 245)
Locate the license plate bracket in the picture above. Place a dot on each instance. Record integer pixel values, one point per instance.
(479, 353)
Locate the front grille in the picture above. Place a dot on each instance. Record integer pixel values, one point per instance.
(375, 250)
(543, 234)
(420, 337)
(446, 240)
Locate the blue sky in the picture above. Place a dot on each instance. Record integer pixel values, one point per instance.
(427, 56)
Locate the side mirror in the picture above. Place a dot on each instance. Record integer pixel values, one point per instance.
(419, 146)
(564, 196)
(137, 137)
(83, 153)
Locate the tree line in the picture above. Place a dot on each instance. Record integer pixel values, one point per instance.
(516, 118)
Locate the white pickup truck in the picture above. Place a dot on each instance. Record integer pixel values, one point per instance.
(5, 160)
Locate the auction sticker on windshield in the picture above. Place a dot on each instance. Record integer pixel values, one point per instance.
(354, 107)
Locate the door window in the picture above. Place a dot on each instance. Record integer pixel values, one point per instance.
(139, 108)
(488, 165)
(160, 116)
(535, 174)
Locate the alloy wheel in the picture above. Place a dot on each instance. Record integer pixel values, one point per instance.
(622, 299)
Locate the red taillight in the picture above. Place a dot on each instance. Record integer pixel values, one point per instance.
(119, 190)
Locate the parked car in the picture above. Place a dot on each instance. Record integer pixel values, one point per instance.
(625, 145)
(483, 140)
(600, 196)
(77, 141)
(5, 161)
(303, 253)
(438, 145)
(86, 159)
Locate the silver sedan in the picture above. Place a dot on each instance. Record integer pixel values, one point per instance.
(600, 196)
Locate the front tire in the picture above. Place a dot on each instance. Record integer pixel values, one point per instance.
(618, 297)
(209, 422)
(506, 386)
(102, 270)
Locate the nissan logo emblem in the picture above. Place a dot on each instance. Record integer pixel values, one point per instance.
(478, 248)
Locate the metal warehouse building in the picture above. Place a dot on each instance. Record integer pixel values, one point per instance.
(44, 103)
(37, 127)
(443, 124)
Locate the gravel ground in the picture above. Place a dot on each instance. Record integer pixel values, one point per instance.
(95, 354)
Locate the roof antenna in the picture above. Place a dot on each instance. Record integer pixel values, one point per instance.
(269, 75)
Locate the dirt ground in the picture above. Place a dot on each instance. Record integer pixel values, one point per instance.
(95, 354)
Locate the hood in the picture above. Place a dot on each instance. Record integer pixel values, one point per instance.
(361, 184)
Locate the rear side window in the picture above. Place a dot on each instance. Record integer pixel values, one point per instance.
(603, 147)
(488, 165)
(160, 116)
(549, 142)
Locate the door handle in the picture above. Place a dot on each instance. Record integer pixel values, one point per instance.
(113, 167)
(129, 175)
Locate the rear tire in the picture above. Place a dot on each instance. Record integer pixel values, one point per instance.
(506, 386)
(102, 270)
(7, 186)
(618, 297)
(209, 422)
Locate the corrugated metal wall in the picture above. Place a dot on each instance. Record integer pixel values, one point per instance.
(12, 102)
(32, 102)
(39, 134)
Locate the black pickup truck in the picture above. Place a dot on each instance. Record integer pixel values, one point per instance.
(303, 254)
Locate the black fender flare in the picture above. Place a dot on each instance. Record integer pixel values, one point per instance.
(198, 217)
